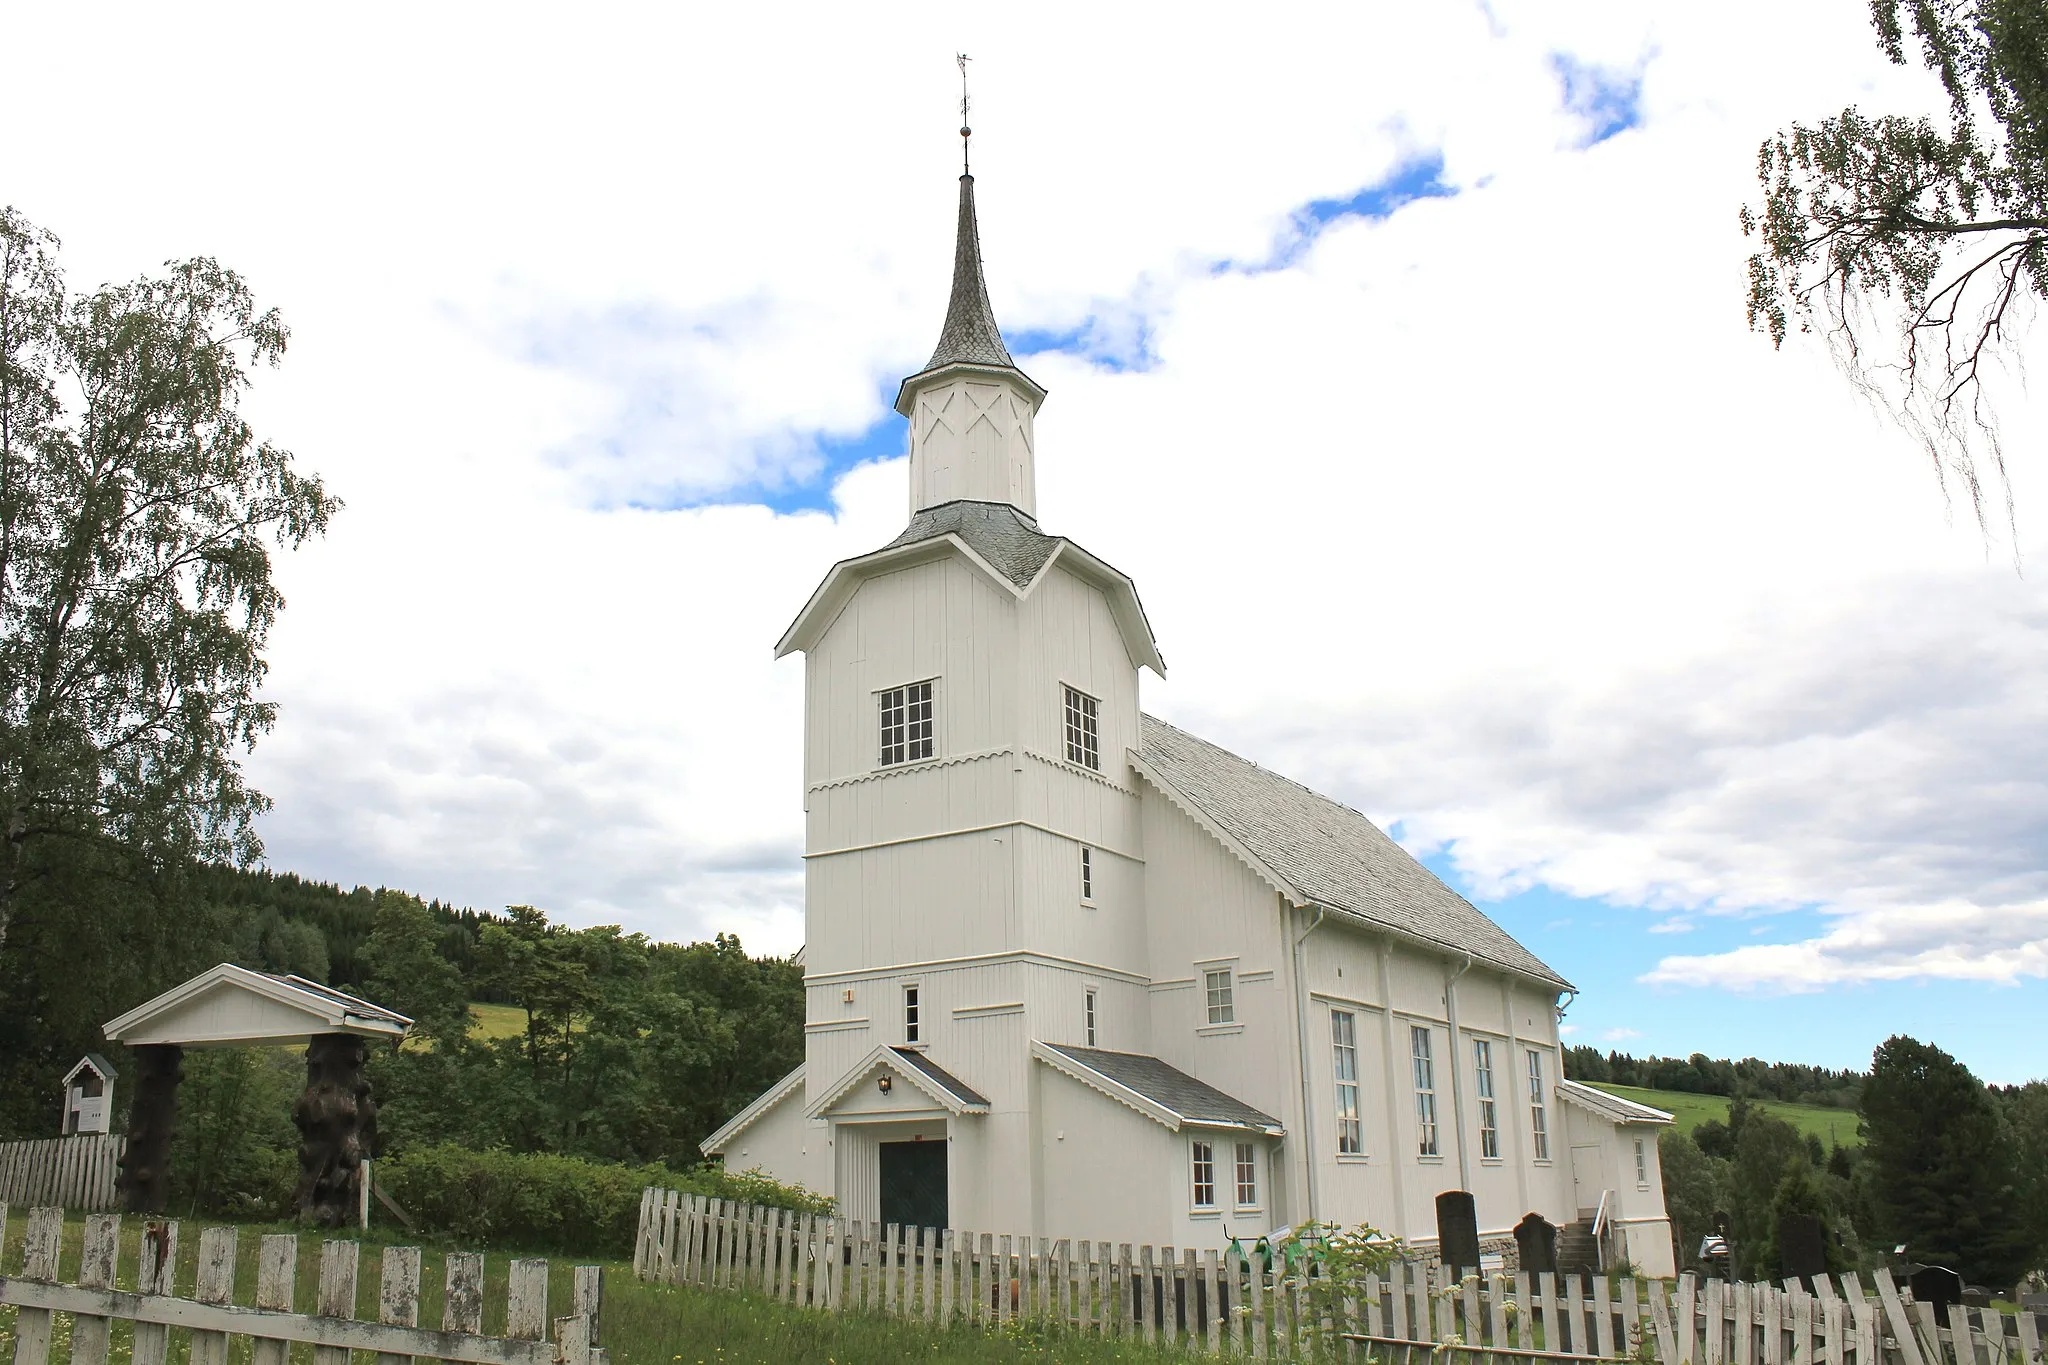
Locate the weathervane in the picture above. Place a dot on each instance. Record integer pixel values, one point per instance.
(965, 131)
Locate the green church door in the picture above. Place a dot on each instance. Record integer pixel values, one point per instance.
(914, 1184)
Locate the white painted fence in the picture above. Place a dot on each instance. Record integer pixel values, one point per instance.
(211, 1317)
(1233, 1303)
(72, 1172)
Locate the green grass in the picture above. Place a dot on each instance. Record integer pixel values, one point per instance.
(641, 1324)
(496, 1021)
(1829, 1125)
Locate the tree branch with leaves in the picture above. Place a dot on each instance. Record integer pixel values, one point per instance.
(1917, 251)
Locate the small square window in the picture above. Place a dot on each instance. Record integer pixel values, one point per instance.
(1205, 1175)
(906, 724)
(1216, 984)
(1084, 743)
(1087, 873)
(910, 1015)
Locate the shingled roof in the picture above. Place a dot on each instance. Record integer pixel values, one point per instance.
(1008, 538)
(1323, 851)
(1173, 1092)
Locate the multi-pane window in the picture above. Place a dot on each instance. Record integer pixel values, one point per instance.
(1222, 1005)
(1425, 1092)
(910, 1014)
(1247, 1176)
(1642, 1164)
(906, 724)
(1088, 1015)
(1539, 1127)
(1084, 743)
(1087, 873)
(1205, 1175)
(1344, 1047)
(1489, 1118)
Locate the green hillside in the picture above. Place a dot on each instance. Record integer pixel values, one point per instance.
(1831, 1126)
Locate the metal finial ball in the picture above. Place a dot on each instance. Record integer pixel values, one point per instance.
(965, 131)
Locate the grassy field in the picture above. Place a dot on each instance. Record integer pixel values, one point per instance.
(641, 1324)
(496, 1021)
(1829, 1125)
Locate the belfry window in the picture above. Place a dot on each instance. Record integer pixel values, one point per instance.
(906, 724)
(1084, 744)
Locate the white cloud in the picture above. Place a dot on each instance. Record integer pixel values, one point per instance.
(1619, 1035)
(1488, 517)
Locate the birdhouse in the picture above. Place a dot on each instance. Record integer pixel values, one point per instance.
(89, 1095)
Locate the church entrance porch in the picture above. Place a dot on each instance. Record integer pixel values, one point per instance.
(913, 1183)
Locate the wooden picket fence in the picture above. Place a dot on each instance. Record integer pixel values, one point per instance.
(74, 1172)
(1233, 1303)
(211, 1316)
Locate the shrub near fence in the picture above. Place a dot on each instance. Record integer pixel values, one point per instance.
(1249, 1305)
(533, 1199)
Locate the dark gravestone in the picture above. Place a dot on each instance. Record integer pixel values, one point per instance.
(1457, 1232)
(1536, 1244)
(1802, 1248)
(1724, 1226)
(337, 1122)
(145, 1179)
(1939, 1286)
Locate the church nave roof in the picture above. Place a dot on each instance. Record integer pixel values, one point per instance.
(1325, 851)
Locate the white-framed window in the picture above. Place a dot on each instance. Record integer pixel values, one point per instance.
(1344, 1054)
(1205, 1174)
(1088, 1015)
(1489, 1114)
(1539, 1126)
(1247, 1175)
(1425, 1091)
(1084, 741)
(1087, 873)
(906, 723)
(1642, 1165)
(911, 1025)
(1222, 998)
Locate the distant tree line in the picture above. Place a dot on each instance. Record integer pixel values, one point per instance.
(1953, 1170)
(1700, 1074)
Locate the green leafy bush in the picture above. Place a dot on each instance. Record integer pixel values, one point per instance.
(561, 1204)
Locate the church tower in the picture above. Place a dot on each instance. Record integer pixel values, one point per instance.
(973, 876)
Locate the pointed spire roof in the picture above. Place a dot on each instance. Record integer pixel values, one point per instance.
(970, 334)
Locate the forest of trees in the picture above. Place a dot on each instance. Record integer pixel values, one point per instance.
(1953, 1170)
(1700, 1074)
(633, 1051)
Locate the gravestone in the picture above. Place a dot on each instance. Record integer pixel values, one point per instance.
(1724, 1226)
(1802, 1248)
(1457, 1232)
(1939, 1286)
(1536, 1241)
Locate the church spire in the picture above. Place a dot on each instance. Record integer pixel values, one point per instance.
(970, 408)
(970, 334)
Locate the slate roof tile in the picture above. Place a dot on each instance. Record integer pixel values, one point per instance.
(1168, 1086)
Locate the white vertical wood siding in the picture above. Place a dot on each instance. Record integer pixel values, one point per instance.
(970, 437)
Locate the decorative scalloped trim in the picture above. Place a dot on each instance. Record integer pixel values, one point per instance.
(1102, 1085)
(897, 769)
(1061, 765)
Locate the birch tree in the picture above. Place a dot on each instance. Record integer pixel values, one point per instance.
(138, 513)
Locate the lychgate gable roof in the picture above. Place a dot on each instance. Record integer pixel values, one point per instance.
(1320, 852)
(230, 1006)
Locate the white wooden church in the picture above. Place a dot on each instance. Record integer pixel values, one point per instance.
(1075, 972)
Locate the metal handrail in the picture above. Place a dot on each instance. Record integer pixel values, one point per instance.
(1600, 1214)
